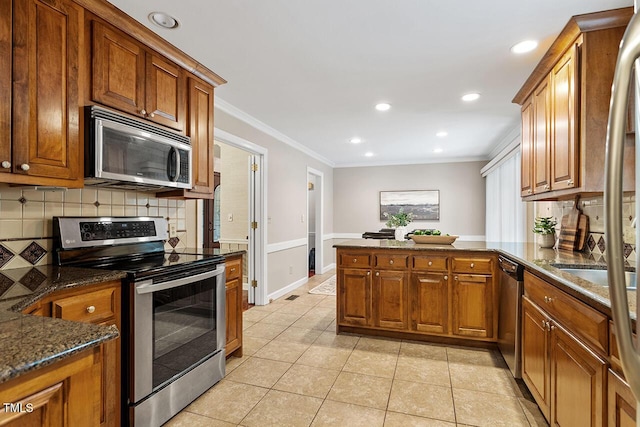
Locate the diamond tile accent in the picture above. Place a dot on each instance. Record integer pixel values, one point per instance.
(591, 242)
(33, 279)
(5, 255)
(174, 257)
(5, 283)
(22, 200)
(33, 253)
(173, 241)
(628, 249)
(601, 244)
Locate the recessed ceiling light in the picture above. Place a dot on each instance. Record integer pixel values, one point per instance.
(368, 154)
(470, 97)
(442, 134)
(524, 46)
(437, 150)
(383, 106)
(163, 20)
(355, 140)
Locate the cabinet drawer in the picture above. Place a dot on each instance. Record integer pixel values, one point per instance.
(91, 307)
(232, 270)
(574, 315)
(355, 260)
(473, 265)
(392, 261)
(427, 262)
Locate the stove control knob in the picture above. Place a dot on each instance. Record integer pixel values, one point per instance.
(91, 309)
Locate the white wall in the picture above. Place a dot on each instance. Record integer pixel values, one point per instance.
(462, 196)
(234, 192)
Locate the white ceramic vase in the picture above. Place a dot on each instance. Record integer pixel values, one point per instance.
(400, 233)
(547, 240)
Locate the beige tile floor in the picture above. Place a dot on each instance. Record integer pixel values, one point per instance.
(297, 372)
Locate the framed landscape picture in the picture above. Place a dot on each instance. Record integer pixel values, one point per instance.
(423, 204)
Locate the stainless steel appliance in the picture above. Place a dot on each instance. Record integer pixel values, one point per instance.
(509, 324)
(616, 132)
(123, 152)
(173, 325)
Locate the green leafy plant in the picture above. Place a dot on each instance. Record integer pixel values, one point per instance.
(544, 225)
(401, 219)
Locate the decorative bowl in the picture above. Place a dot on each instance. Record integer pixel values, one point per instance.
(433, 240)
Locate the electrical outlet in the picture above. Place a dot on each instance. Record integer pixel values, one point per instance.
(302, 218)
(172, 230)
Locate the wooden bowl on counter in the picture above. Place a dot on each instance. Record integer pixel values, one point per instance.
(433, 240)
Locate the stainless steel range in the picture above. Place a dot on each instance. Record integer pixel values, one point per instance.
(173, 310)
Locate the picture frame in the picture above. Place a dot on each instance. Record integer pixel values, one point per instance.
(423, 204)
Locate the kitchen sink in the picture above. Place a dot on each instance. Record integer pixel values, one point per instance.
(599, 277)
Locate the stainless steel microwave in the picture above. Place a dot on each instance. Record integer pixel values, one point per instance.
(122, 152)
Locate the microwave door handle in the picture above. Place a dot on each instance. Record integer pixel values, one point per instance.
(616, 133)
(175, 151)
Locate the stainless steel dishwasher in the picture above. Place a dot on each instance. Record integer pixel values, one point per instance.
(509, 319)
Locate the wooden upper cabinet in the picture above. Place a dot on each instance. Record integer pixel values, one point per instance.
(201, 133)
(526, 160)
(5, 85)
(45, 116)
(130, 78)
(570, 90)
(564, 147)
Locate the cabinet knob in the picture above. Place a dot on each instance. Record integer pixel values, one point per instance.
(233, 269)
(569, 182)
(544, 324)
(455, 277)
(6, 164)
(368, 273)
(143, 112)
(152, 115)
(91, 309)
(446, 277)
(548, 300)
(377, 273)
(529, 191)
(355, 260)
(25, 167)
(546, 187)
(391, 261)
(430, 263)
(472, 265)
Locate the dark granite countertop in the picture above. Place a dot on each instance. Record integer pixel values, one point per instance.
(541, 262)
(30, 342)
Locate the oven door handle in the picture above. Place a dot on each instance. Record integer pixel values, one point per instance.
(148, 286)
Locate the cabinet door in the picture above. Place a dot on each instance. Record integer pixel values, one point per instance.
(535, 354)
(622, 403)
(527, 149)
(541, 138)
(354, 286)
(564, 148)
(577, 382)
(473, 305)
(233, 303)
(5, 85)
(46, 38)
(47, 409)
(430, 302)
(165, 92)
(390, 299)
(118, 70)
(201, 133)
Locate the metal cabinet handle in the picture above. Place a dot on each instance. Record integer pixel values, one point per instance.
(455, 277)
(529, 191)
(143, 112)
(25, 167)
(472, 265)
(544, 324)
(377, 273)
(233, 269)
(569, 182)
(391, 261)
(152, 115)
(548, 300)
(368, 273)
(430, 263)
(446, 277)
(91, 309)
(355, 260)
(6, 164)
(546, 187)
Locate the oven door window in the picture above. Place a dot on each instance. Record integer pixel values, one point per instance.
(184, 328)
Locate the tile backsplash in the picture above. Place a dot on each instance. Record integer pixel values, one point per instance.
(593, 207)
(26, 228)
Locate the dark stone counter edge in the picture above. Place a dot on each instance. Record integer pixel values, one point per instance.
(572, 285)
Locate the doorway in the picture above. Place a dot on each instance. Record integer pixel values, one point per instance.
(314, 220)
(242, 189)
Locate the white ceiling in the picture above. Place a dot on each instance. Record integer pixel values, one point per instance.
(313, 70)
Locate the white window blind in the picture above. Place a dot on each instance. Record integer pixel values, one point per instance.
(505, 215)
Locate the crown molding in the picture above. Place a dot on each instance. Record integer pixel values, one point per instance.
(413, 162)
(263, 127)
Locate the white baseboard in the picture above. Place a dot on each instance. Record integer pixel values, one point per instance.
(328, 267)
(291, 287)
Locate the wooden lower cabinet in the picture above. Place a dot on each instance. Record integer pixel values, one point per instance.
(390, 299)
(621, 402)
(354, 297)
(566, 378)
(99, 304)
(66, 393)
(429, 300)
(473, 296)
(233, 317)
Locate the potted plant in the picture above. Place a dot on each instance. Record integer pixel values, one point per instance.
(545, 228)
(399, 221)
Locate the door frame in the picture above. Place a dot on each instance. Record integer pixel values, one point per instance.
(319, 229)
(260, 200)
